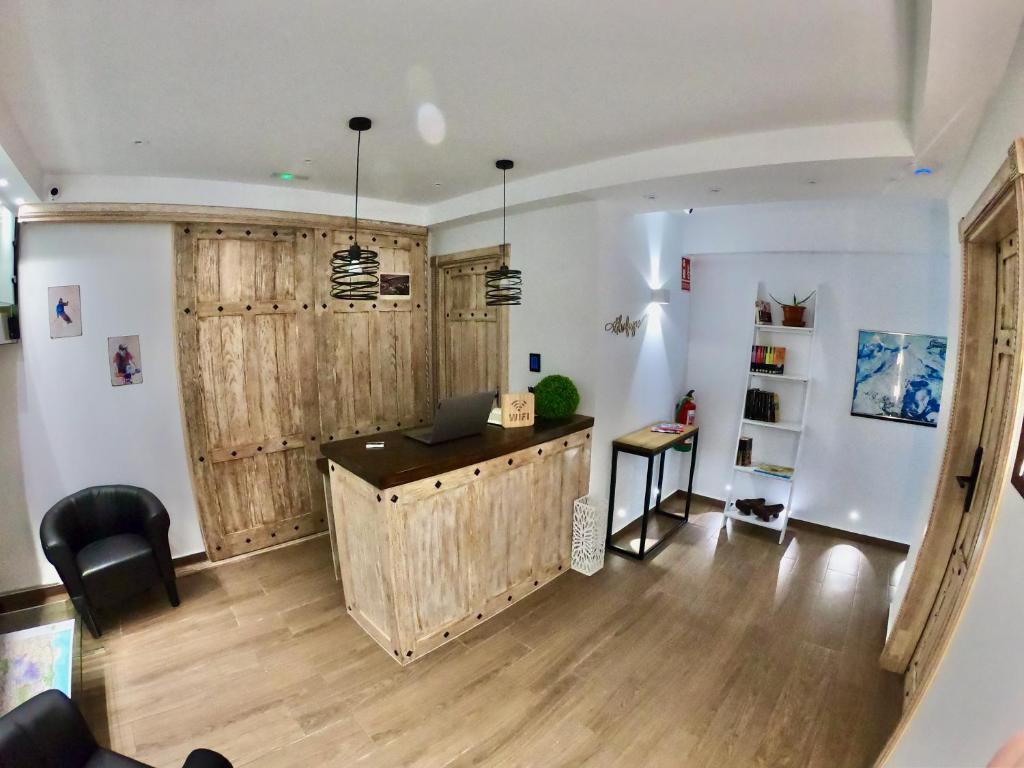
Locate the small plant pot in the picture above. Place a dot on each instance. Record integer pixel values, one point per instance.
(793, 315)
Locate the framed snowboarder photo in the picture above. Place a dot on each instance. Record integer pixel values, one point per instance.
(65, 311)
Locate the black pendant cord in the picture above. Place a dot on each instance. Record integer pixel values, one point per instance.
(504, 286)
(355, 223)
(504, 199)
(354, 269)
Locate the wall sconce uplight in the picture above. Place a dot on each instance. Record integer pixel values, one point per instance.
(659, 296)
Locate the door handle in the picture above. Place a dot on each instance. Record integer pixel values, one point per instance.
(970, 481)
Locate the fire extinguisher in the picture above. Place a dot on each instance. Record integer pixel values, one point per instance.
(686, 413)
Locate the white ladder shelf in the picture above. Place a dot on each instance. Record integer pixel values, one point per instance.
(796, 384)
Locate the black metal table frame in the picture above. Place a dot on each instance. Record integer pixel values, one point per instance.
(681, 520)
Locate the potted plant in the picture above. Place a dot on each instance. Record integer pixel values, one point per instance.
(793, 314)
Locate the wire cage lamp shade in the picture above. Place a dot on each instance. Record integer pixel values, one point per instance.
(504, 285)
(354, 269)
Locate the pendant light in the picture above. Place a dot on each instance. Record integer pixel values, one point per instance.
(354, 270)
(504, 285)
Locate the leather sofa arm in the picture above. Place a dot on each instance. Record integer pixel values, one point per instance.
(59, 553)
(49, 728)
(60, 526)
(156, 522)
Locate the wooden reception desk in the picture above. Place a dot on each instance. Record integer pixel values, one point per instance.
(433, 540)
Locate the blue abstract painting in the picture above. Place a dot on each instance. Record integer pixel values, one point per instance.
(899, 377)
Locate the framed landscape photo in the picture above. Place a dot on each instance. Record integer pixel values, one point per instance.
(395, 285)
(899, 377)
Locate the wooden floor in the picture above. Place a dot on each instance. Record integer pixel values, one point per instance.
(725, 650)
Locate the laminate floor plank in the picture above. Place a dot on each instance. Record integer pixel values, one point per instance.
(726, 649)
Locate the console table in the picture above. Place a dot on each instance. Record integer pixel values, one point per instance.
(649, 444)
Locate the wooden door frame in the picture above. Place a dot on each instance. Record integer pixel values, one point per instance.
(999, 209)
(439, 262)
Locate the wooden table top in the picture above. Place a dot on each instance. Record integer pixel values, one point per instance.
(651, 443)
(403, 460)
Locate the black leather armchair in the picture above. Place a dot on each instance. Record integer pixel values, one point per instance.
(106, 543)
(48, 731)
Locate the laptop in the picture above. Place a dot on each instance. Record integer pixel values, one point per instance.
(456, 417)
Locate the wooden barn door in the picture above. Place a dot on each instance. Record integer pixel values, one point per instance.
(245, 316)
(471, 338)
(373, 357)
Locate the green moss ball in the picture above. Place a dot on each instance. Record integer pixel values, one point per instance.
(556, 397)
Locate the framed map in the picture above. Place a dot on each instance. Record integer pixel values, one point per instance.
(35, 660)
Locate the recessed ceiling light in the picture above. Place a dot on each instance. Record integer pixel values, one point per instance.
(651, 196)
(923, 171)
(307, 161)
(19, 201)
(3, 182)
(714, 190)
(812, 181)
(140, 142)
(437, 183)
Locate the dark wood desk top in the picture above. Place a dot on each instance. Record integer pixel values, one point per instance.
(402, 460)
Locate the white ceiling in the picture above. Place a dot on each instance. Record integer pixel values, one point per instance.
(607, 99)
(237, 89)
(791, 181)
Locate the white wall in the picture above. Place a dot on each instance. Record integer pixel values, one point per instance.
(6, 258)
(976, 701)
(583, 264)
(65, 427)
(878, 265)
(69, 428)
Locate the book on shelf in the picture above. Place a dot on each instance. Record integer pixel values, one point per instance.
(767, 359)
(744, 451)
(761, 405)
(775, 470)
(670, 428)
(762, 312)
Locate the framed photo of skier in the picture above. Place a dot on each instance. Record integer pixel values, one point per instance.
(65, 311)
(125, 357)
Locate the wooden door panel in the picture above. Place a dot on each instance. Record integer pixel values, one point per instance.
(470, 333)
(502, 540)
(286, 484)
(383, 370)
(373, 357)
(251, 405)
(436, 566)
(554, 491)
(1009, 255)
(235, 481)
